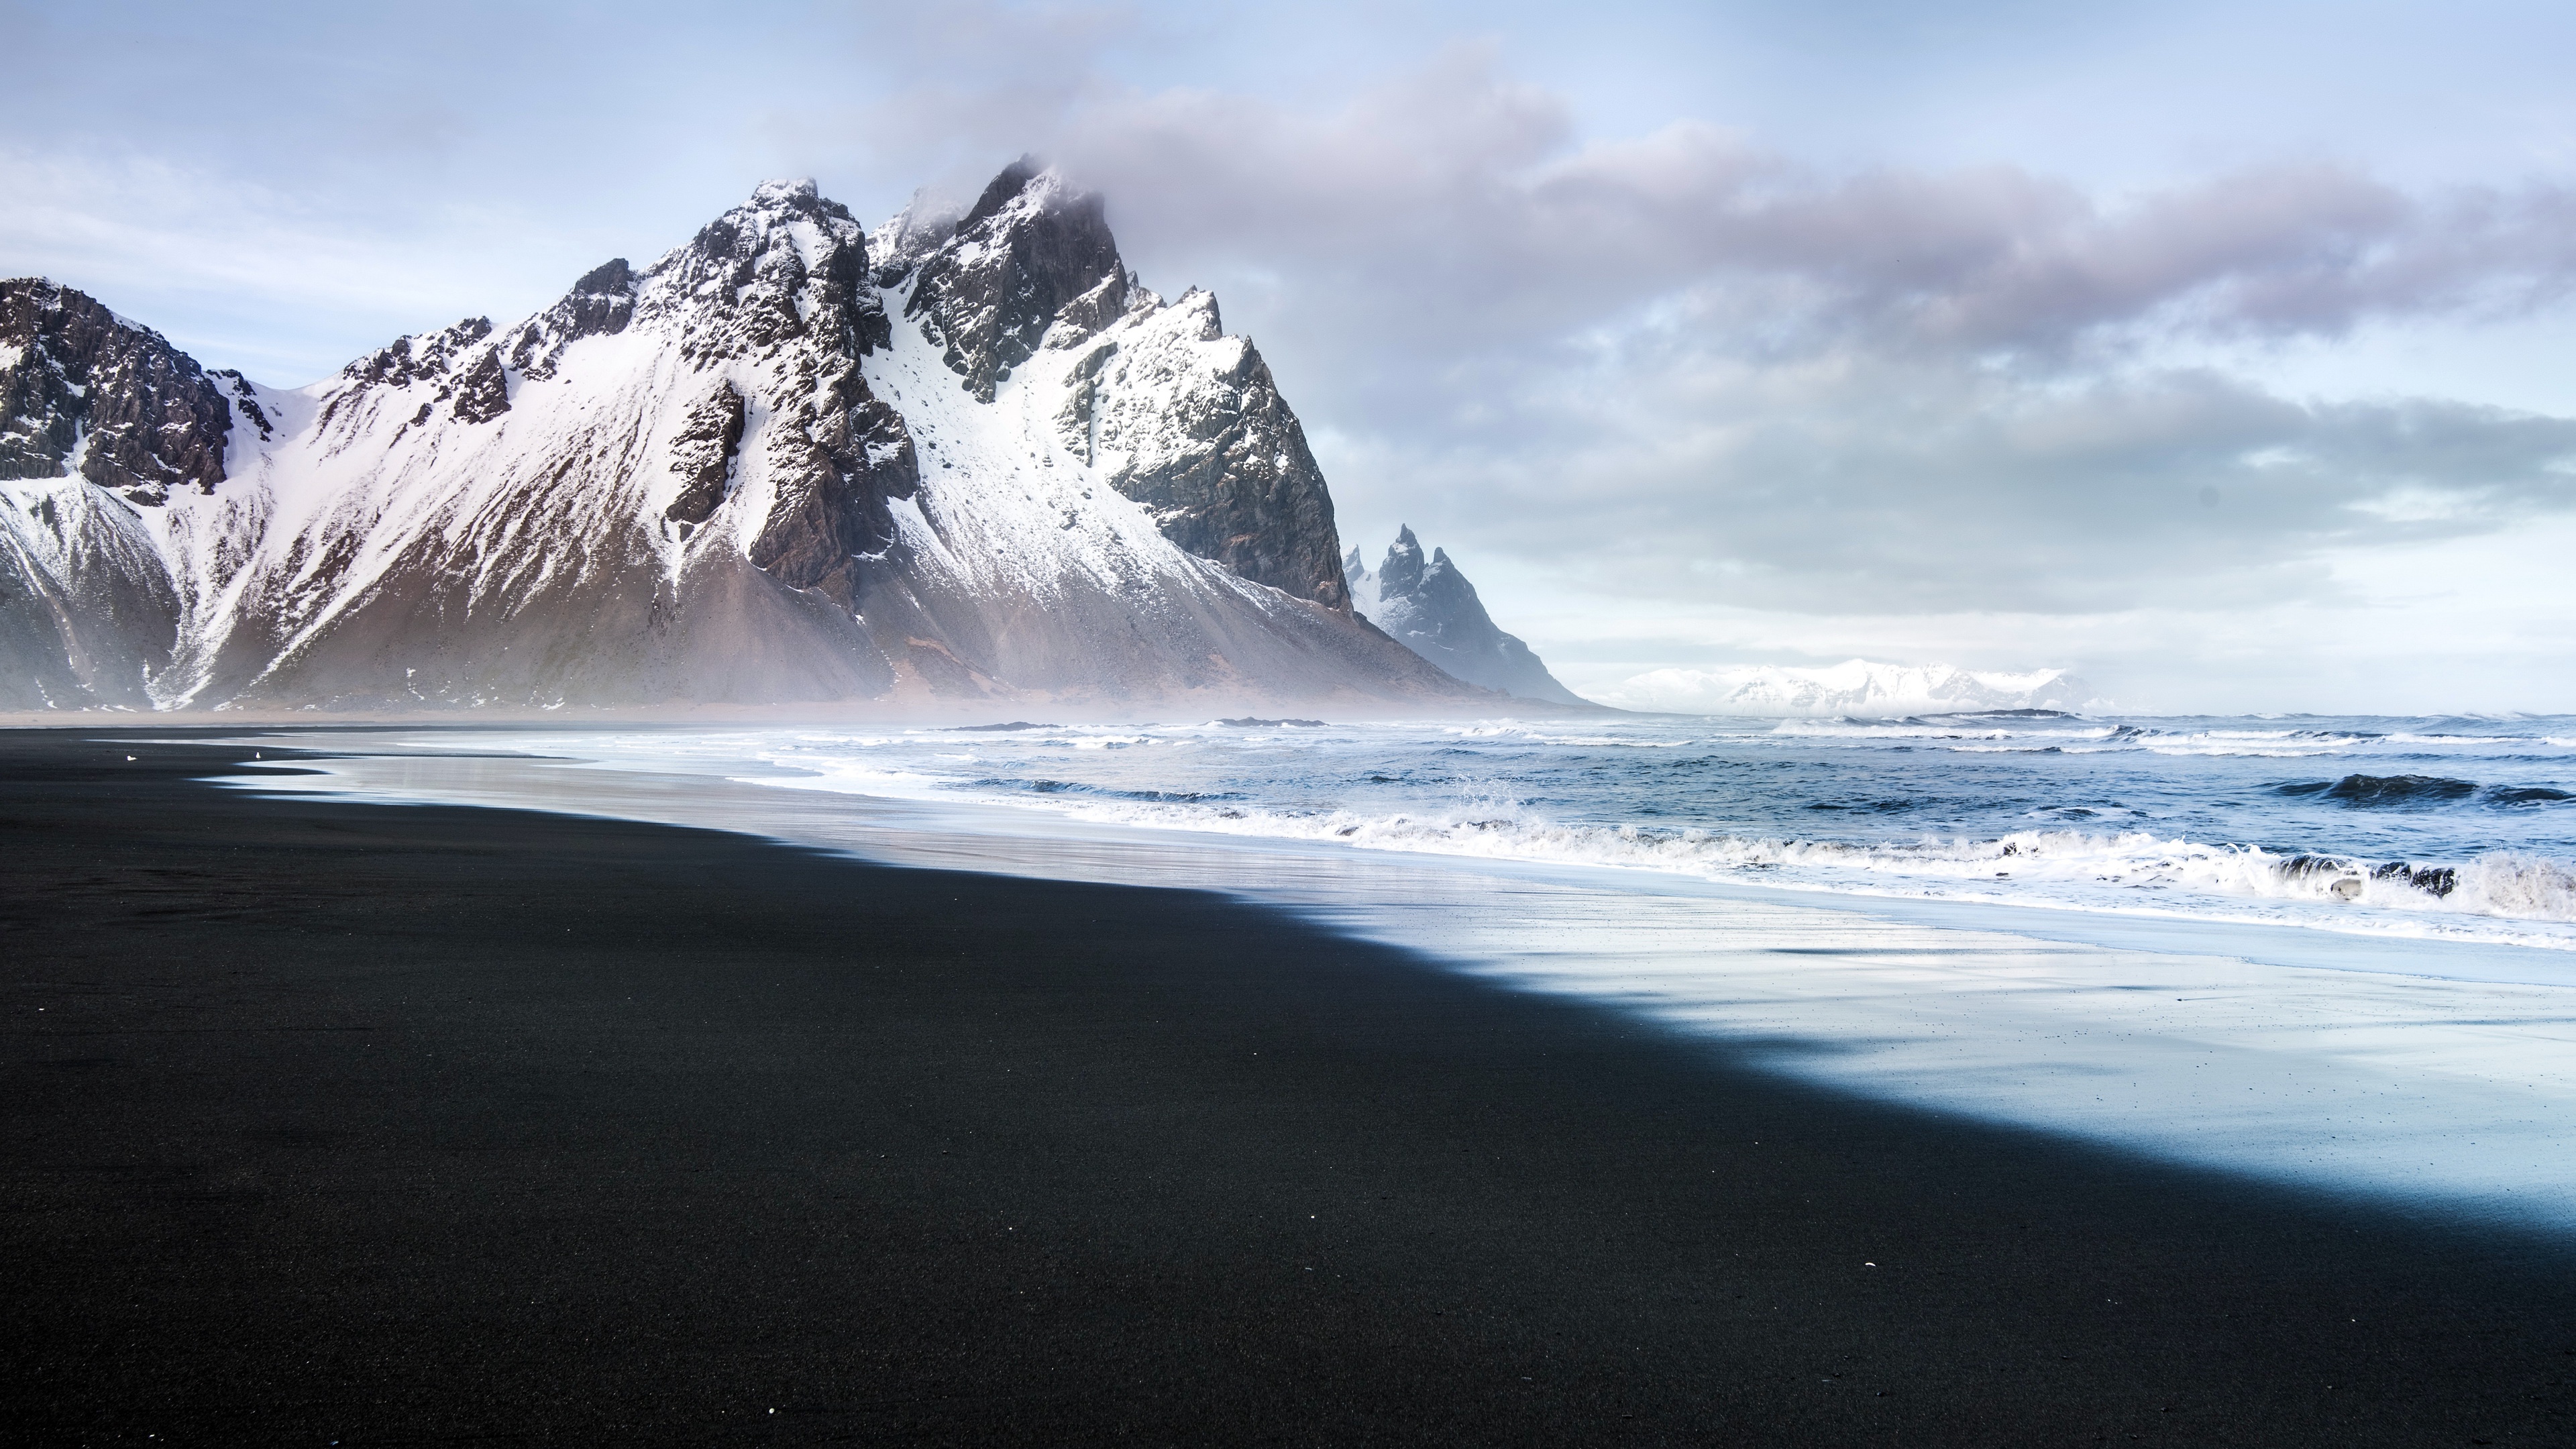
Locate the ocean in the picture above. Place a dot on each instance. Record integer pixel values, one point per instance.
(2338, 953)
(2458, 828)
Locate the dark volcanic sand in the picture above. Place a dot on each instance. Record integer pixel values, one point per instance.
(387, 1125)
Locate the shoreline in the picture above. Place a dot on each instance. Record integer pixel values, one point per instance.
(384, 1123)
(1951, 896)
(862, 712)
(2148, 927)
(2436, 1078)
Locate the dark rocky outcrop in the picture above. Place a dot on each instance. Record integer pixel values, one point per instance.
(743, 286)
(1229, 476)
(1244, 491)
(1029, 246)
(599, 305)
(144, 417)
(1431, 609)
(483, 389)
(781, 279)
(455, 359)
(835, 460)
(746, 286)
(422, 357)
(246, 401)
(702, 454)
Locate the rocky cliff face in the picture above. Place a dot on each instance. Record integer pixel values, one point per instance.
(100, 420)
(767, 467)
(1189, 420)
(1431, 608)
(82, 391)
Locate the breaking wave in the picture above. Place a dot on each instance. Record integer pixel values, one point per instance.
(2079, 734)
(2449, 827)
(2130, 871)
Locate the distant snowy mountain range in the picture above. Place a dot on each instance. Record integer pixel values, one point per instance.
(964, 457)
(1856, 688)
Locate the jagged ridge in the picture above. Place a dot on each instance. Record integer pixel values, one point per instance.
(1431, 609)
(728, 475)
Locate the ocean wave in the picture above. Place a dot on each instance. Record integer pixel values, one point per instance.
(2063, 868)
(1944, 727)
(1526, 734)
(2384, 792)
(2399, 792)
(2255, 744)
(1034, 786)
(2074, 734)
(1967, 808)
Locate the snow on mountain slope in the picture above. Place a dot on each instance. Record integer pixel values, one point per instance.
(1856, 688)
(86, 610)
(1177, 415)
(730, 476)
(101, 420)
(1028, 564)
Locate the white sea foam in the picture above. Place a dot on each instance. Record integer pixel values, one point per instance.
(2156, 818)
(2498, 896)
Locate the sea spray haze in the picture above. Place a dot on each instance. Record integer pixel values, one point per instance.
(975, 461)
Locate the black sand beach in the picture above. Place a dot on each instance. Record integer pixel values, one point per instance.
(333, 1123)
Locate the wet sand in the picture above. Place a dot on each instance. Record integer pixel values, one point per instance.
(376, 1124)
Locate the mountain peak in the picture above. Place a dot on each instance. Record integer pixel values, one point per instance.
(718, 475)
(784, 193)
(1434, 612)
(988, 292)
(83, 390)
(1401, 572)
(789, 263)
(610, 278)
(1003, 189)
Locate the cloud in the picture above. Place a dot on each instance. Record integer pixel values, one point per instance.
(1458, 201)
(1865, 484)
(1686, 366)
(282, 283)
(1668, 369)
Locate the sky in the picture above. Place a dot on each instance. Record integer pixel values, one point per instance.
(2218, 353)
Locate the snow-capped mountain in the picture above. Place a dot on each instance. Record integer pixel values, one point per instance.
(970, 458)
(1432, 609)
(1856, 688)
